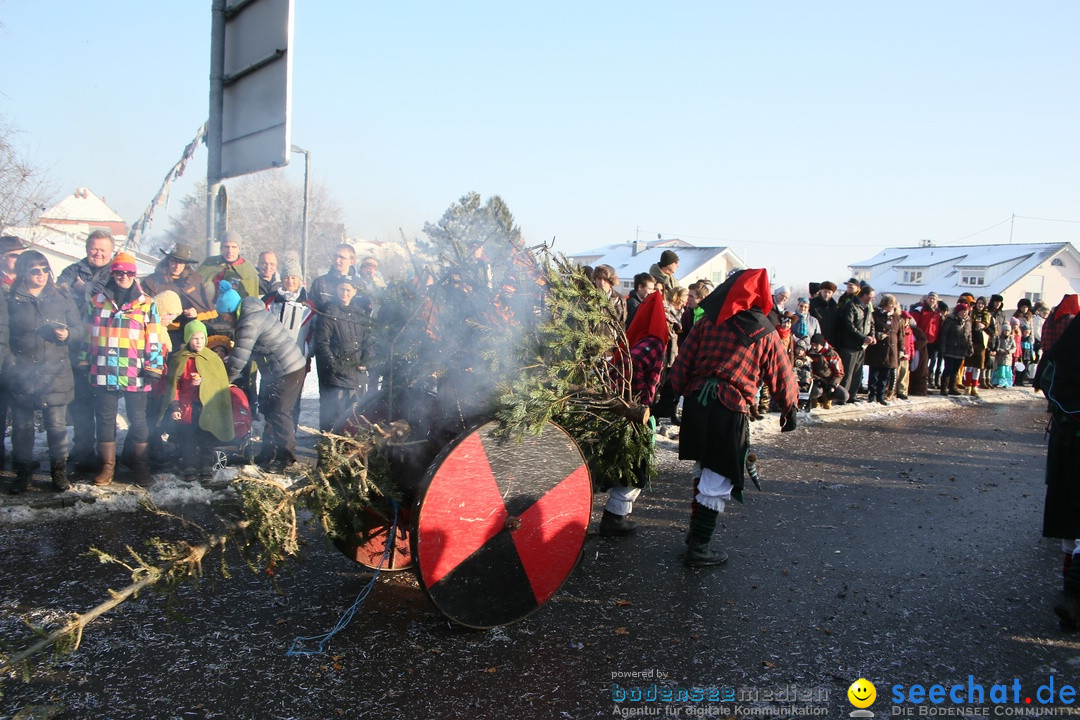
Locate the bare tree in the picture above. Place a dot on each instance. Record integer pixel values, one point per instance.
(25, 189)
(267, 210)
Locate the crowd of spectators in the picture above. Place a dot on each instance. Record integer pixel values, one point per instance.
(194, 350)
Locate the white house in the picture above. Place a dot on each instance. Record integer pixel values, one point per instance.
(630, 259)
(61, 231)
(1035, 271)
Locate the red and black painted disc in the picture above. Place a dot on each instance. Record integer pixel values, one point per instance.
(500, 524)
(369, 548)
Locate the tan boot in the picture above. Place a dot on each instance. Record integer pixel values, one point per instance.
(974, 391)
(107, 451)
(826, 404)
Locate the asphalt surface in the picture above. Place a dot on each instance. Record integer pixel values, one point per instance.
(902, 546)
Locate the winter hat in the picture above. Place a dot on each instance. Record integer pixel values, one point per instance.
(11, 243)
(124, 261)
(668, 257)
(228, 299)
(781, 290)
(215, 341)
(350, 280)
(817, 339)
(195, 326)
(292, 268)
(827, 285)
(961, 306)
(168, 303)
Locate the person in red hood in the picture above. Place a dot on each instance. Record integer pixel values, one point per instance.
(647, 339)
(730, 352)
(1059, 319)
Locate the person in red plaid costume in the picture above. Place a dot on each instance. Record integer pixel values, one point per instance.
(728, 354)
(647, 338)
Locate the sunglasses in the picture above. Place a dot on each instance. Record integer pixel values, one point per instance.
(123, 273)
(38, 271)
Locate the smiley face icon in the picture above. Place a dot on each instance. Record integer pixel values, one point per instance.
(862, 693)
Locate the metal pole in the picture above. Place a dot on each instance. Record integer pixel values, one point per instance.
(214, 128)
(304, 216)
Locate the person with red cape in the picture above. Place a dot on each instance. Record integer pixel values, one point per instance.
(647, 339)
(730, 352)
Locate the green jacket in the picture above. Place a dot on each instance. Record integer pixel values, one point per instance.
(217, 416)
(242, 275)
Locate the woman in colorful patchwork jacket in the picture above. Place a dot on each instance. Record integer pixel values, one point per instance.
(125, 357)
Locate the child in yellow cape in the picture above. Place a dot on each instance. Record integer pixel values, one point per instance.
(197, 388)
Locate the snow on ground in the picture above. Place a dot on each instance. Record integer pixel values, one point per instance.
(42, 504)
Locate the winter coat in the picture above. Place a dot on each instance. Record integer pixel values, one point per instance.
(342, 345)
(189, 286)
(94, 279)
(298, 317)
(885, 353)
(663, 280)
(241, 274)
(955, 337)
(38, 370)
(981, 323)
(323, 292)
(124, 350)
(827, 366)
(213, 393)
(930, 322)
(260, 337)
(827, 316)
(856, 322)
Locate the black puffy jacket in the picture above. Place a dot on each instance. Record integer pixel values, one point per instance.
(260, 337)
(38, 368)
(342, 344)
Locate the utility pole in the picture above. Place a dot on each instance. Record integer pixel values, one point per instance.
(304, 216)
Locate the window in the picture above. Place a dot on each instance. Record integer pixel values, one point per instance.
(911, 277)
(973, 278)
(1034, 288)
(1033, 296)
(1057, 262)
(862, 274)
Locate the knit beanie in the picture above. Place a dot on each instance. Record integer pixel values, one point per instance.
(668, 257)
(292, 268)
(168, 303)
(195, 326)
(228, 299)
(124, 261)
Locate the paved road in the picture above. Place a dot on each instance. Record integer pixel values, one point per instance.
(901, 547)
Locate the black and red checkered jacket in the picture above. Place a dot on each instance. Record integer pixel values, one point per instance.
(717, 351)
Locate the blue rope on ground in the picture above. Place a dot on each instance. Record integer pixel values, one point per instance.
(347, 616)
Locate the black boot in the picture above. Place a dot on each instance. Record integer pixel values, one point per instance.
(1067, 604)
(23, 473)
(58, 470)
(702, 525)
(612, 525)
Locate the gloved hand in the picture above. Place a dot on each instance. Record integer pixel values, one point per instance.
(787, 420)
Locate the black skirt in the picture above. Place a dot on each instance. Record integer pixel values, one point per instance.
(716, 437)
(1061, 514)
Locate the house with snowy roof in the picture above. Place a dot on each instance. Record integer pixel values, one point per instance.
(1043, 271)
(629, 259)
(61, 231)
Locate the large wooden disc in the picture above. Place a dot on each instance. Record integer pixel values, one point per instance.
(369, 548)
(499, 525)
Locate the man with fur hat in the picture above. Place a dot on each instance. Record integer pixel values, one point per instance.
(730, 352)
(663, 271)
(823, 307)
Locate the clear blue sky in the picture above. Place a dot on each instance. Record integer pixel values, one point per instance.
(805, 135)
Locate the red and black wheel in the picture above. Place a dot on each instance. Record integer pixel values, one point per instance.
(499, 524)
(369, 547)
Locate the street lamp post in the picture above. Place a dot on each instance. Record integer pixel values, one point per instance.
(304, 220)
